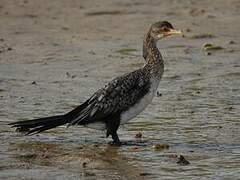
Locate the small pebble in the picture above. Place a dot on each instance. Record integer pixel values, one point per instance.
(135, 149)
(144, 174)
(138, 135)
(68, 74)
(95, 145)
(230, 108)
(34, 82)
(182, 161)
(84, 164)
(232, 42)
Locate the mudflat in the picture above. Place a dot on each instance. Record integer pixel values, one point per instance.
(55, 54)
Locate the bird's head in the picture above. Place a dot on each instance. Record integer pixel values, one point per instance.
(162, 29)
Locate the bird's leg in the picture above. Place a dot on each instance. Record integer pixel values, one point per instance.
(116, 140)
(112, 127)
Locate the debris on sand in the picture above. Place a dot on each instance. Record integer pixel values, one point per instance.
(232, 42)
(144, 174)
(84, 164)
(160, 147)
(138, 135)
(4, 47)
(27, 157)
(209, 53)
(197, 12)
(182, 161)
(201, 36)
(34, 83)
(65, 28)
(89, 174)
(99, 13)
(211, 47)
(70, 75)
(134, 149)
(126, 51)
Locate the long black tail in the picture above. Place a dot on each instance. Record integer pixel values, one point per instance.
(38, 125)
(42, 124)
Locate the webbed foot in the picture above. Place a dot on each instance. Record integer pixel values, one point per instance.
(113, 143)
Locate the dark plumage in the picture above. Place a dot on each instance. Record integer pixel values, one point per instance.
(120, 100)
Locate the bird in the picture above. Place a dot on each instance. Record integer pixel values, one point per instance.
(118, 101)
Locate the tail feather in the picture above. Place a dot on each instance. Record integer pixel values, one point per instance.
(44, 128)
(42, 124)
(38, 125)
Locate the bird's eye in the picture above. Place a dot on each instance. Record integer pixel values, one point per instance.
(165, 29)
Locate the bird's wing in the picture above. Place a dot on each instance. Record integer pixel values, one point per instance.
(115, 97)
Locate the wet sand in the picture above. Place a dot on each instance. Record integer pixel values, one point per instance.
(55, 54)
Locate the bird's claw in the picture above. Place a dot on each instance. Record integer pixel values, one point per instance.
(113, 143)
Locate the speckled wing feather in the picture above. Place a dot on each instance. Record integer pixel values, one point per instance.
(116, 97)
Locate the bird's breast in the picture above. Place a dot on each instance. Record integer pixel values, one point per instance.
(141, 104)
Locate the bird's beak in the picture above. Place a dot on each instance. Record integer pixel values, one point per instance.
(173, 32)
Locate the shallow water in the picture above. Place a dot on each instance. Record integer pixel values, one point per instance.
(197, 114)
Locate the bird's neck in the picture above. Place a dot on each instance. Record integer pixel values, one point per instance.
(152, 55)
